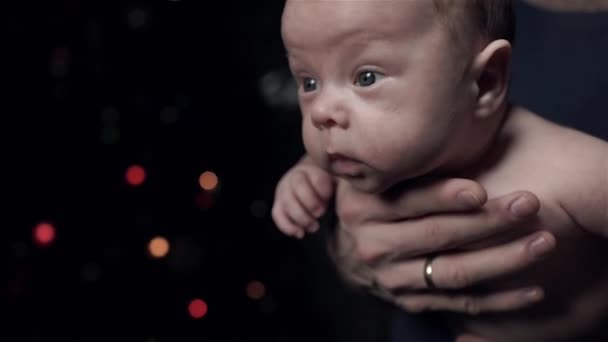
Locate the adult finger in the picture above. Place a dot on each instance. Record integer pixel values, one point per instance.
(433, 234)
(507, 300)
(411, 201)
(461, 270)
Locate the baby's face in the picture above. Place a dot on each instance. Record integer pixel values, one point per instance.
(380, 93)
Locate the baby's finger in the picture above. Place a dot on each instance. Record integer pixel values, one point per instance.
(305, 194)
(296, 212)
(313, 227)
(323, 184)
(507, 300)
(284, 223)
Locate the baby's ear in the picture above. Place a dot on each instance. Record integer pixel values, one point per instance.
(491, 72)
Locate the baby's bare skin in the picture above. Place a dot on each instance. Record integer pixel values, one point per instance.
(385, 104)
(556, 164)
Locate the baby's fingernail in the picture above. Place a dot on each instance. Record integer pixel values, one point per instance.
(314, 227)
(318, 212)
(468, 199)
(521, 207)
(540, 246)
(533, 294)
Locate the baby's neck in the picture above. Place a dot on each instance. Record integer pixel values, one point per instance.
(474, 144)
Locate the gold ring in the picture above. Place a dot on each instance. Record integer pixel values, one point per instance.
(428, 272)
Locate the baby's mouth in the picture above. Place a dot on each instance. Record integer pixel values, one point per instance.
(341, 165)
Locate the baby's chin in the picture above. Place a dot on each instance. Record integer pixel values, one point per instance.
(367, 184)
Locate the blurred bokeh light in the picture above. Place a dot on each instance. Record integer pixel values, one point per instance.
(158, 247)
(135, 175)
(44, 234)
(197, 308)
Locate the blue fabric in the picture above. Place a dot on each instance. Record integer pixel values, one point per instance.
(419, 327)
(559, 67)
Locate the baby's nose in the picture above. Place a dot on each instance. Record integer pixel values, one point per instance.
(329, 111)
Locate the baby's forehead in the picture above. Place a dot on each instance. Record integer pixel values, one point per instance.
(322, 18)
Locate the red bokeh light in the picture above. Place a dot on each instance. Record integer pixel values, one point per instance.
(197, 308)
(44, 234)
(256, 290)
(136, 175)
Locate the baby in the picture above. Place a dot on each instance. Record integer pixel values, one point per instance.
(395, 90)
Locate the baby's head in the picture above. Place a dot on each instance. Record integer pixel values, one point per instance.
(394, 89)
(484, 20)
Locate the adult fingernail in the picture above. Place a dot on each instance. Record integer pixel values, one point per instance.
(468, 199)
(521, 207)
(533, 294)
(540, 246)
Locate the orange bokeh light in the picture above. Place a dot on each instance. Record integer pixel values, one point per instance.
(158, 247)
(208, 180)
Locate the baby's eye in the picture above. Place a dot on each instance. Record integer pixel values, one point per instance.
(309, 84)
(367, 78)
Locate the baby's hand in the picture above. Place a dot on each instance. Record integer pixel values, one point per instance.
(301, 198)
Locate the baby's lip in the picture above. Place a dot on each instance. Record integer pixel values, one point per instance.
(335, 156)
(343, 165)
(340, 156)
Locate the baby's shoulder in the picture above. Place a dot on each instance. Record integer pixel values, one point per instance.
(565, 165)
(568, 151)
(531, 143)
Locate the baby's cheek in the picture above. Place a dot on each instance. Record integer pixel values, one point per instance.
(387, 150)
(308, 137)
(403, 158)
(313, 144)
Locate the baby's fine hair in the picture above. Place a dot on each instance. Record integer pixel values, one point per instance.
(493, 19)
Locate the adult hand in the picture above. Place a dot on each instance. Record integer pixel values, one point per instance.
(392, 236)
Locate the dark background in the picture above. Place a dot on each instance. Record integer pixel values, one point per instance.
(178, 88)
(182, 87)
